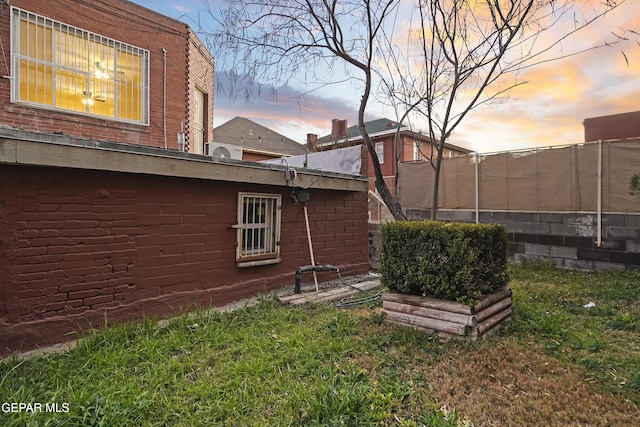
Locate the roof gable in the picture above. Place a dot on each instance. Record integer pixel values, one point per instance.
(253, 136)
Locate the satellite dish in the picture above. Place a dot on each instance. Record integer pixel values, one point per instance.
(222, 152)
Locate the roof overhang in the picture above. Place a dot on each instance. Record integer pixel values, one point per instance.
(46, 150)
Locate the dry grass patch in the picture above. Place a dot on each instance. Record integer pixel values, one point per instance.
(502, 383)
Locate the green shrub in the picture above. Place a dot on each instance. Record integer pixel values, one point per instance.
(451, 261)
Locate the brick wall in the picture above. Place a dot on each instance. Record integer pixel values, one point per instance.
(126, 22)
(566, 239)
(199, 76)
(386, 164)
(256, 157)
(79, 245)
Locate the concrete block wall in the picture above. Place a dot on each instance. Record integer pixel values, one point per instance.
(77, 246)
(566, 239)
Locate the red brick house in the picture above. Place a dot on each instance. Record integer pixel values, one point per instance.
(107, 209)
(108, 70)
(94, 230)
(411, 146)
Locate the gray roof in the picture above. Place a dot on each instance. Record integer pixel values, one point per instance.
(373, 127)
(380, 127)
(252, 136)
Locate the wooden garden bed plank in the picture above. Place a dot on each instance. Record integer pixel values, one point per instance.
(492, 322)
(462, 319)
(492, 309)
(427, 323)
(426, 302)
(446, 317)
(492, 298)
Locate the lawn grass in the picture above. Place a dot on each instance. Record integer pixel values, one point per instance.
(603, 338)
(556, 363)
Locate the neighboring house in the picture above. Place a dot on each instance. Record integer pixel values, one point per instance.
(258, 142)
(624, 126)
(108, 70)
(412, 146)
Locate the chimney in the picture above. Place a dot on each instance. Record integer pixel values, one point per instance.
(338, 128)
(312, 141)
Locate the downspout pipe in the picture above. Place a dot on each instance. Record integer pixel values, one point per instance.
(599, 206)
(164, 94)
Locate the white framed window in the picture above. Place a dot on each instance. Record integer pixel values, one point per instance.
(55, 65)
(380, 151)
(198, 122)
(258, 238)
(416, 150)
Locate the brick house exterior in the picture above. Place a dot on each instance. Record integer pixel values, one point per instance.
(411, 147)
(199, 80)
(93, 230)
(103, 215)
(76, 40)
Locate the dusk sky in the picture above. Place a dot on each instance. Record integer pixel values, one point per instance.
(548, 110)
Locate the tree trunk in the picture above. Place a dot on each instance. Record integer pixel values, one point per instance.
(392, 203)
(436, 181)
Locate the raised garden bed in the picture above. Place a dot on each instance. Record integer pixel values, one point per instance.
(449, 318)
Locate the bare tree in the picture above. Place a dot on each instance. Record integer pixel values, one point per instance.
(455, 59)
(281, 40)
(462, 54)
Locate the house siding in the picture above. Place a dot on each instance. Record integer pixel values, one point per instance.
(388, 163)
(127, 22)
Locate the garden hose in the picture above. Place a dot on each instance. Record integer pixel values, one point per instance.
(371, 299)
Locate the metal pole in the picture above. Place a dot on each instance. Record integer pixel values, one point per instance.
(599, 208)
(164, 101)
(313, 261)
(477, 191)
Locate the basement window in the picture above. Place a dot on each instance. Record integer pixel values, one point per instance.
(258, 238)
(55, 65)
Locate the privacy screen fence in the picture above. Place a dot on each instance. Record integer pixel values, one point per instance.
(552, 179)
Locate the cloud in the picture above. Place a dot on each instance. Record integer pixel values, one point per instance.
(547, 110)
(180, 8)
(550, 108)
(286, 109)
